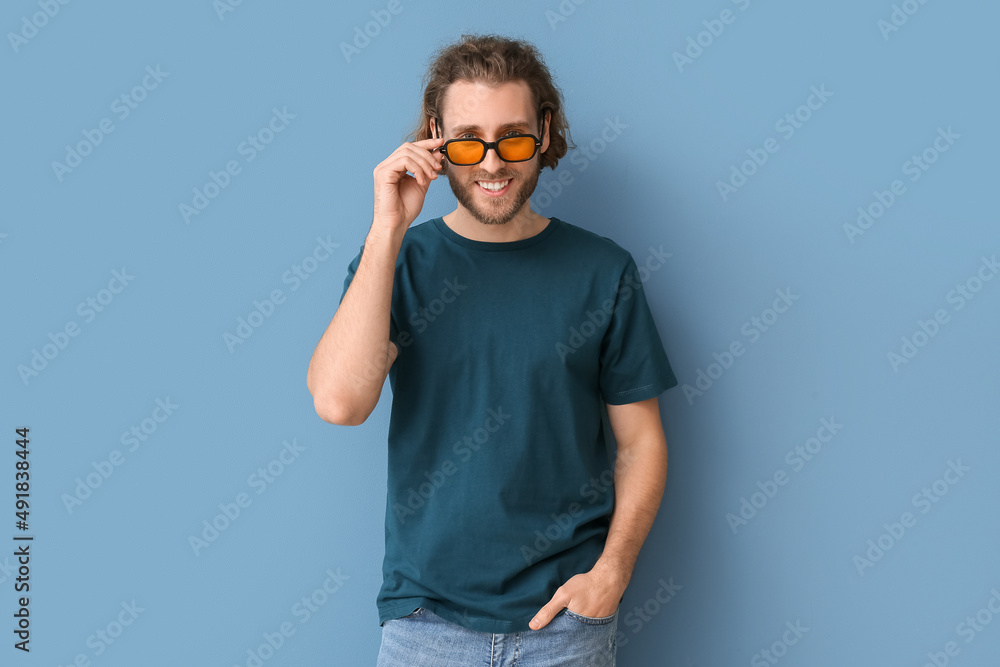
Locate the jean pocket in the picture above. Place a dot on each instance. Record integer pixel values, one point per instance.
(590, 620)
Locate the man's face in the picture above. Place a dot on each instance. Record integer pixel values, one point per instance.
(473, 109)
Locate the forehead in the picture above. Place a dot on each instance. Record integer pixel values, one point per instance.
(476, 103)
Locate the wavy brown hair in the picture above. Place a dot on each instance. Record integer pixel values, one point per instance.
(494, 60)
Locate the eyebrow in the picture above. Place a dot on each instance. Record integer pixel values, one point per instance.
(517, 125)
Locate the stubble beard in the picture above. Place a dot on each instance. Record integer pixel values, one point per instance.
(498, 211)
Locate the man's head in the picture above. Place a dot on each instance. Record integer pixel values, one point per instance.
(488, 87)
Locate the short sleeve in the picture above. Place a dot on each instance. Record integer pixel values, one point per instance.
(351, 270)
(634, 365)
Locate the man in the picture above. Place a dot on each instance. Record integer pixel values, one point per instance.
(504, 335)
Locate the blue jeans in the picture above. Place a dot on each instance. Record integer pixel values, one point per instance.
(424, 639)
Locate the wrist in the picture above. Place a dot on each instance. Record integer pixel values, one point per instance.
(384, 234)
(618, 569)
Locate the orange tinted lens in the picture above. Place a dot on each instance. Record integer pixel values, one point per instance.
(517, 148)
(465, 152)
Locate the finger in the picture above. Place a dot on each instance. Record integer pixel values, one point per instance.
(431, 149)
(547, 613)
(409, 162)
(425, 148)
(433, 158)
(413, 156)
(429, 143)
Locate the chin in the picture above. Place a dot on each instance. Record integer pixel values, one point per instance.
(473, 201)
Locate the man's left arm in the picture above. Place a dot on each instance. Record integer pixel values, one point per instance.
(640, 476)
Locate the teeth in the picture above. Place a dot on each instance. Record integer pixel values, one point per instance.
(495, 187)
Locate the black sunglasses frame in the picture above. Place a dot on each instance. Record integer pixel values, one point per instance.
(487, 145)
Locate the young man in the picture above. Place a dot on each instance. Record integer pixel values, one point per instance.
(505, 335)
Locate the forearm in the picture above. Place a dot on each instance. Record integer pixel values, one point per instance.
(640, 477)
(349, 365)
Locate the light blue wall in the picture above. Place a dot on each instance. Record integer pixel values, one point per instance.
(683, 126)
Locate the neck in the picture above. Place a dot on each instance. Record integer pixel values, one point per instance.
(525, 224)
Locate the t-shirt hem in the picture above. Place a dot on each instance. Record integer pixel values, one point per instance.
(640, 393)
(471, 622)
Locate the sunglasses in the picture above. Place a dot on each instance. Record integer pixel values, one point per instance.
(511, 148)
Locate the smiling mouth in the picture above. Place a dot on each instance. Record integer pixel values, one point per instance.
(494, 187)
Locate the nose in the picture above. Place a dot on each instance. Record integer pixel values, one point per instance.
(492, 162)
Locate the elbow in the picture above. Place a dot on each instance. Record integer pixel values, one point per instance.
(327, 406)
(334, 405)
(338, 412)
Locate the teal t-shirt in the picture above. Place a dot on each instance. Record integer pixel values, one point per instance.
(500, 483)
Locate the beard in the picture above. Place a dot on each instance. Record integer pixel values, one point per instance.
(494, 210)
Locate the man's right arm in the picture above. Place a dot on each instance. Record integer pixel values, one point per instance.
(351, 361)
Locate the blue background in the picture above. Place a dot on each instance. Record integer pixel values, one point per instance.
(793, 561)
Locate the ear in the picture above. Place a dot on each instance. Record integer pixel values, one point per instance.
(545, 138)
(432, 128)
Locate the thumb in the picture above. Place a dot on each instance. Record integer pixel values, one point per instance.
(547, 613)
